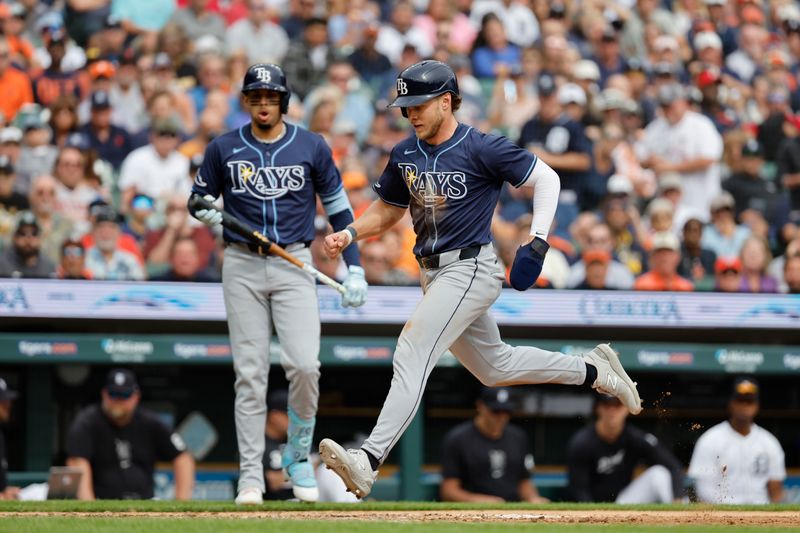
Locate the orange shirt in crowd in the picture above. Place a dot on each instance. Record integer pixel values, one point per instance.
(15, 86)
(125, 242)
(653, 281)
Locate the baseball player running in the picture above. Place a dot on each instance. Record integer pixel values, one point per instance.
(450, 176)
(268, 173)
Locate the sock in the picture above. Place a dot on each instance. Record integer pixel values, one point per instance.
(373, 462)
(591, 375)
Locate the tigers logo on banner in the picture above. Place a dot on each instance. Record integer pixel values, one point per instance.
(402, 87)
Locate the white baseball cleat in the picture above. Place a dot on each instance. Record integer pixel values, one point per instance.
(350, 465)
(612, 378)
(249, 496)
(304, 483)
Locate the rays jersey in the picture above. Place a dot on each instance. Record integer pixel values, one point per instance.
(271, 186)
(452, 188)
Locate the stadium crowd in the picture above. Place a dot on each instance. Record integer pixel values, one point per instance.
(672, 125)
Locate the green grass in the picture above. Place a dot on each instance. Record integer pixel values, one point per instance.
(218, 507)
(245, 525)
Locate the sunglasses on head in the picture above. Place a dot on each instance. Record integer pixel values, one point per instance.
(166, 134)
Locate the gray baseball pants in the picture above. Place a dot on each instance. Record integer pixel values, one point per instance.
(454, 314)
(259, 291)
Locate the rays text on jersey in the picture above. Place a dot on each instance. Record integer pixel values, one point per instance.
(433, 188)
(265, 183)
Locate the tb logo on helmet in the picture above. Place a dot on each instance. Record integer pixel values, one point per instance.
(263, 74)
(402, 87)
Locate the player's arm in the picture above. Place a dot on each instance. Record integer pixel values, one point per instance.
(578, 472)
(207, 183)
(378, 218)
(529, 493)
(85, 486)
(775, 490)
(183, 470)
(452, 491)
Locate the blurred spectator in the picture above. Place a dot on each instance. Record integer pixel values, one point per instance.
(772, 131)
(6, 397)
(519, 22)
(56, 80)
(138, 218)
(116, 445)
(53, 225)
(491, 50)
(75, 190)
(686, 142)
(196, 20)
(300, 11)
(608, 55)
(15, 86)
(445, 26)
(602, 457)
(83, 19)
(308, 57)
(143, 17)
(106, 259)
(560, 142)
(728, 271)
(109, 42)
(596, 262)
(697, 263)
(512, 102)
(211, 125)
(159, 243)
(755, 257)
(644, 13)
(11, 200)
(210, 77)
(262, 40)
(788, 161)
(73, 261)
(185, 264)
(377, 264)
(737, 461)
(275, 432)
(157, 169)
(663, 274)
(112, 143)
(748, 187)
(660, 217)
(401, 32)
(36, 155)
(486, 459)
(373, 67)
(12, 23)
(10, 146)
(745, 60)
(791, 274)
(627, 233)
(618, 276)
(24, 259)
(344, 89)
(128, 105)
(124, 242)
(724, 236)
(63, 119)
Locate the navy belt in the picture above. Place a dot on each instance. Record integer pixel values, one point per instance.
(443, 259)
(261, 249)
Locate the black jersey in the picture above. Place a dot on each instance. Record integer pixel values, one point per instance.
(486, 466)
(273, 455)
(122, 458)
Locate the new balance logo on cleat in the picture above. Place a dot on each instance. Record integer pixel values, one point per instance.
(612, 382)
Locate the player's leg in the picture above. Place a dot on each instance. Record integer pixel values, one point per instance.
(654, 485)
(481, 350)
(295, 313)
(454, 297)
(244, 285)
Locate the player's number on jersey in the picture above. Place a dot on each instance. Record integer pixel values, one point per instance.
(263, 75)
(402, 87)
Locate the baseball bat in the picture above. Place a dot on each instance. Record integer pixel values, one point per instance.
(237, 226)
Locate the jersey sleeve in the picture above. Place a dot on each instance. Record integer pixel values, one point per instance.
(208, 179)
(79, 438)
(169, 445)
(505, 161)
(703, 469)
(391, 187)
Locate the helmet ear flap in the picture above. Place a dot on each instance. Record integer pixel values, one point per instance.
(404, 111)
(285, 103)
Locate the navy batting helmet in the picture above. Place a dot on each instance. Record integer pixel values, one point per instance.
(267, 76)
(424, 81)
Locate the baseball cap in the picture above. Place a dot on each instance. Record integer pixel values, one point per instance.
(497, 398)
(27, 220)
(570, 93)
(664, 68)
(751, 14)
(121, 383)
(112, 21)
(607, 399)
(660, 205)
(715, 2)
(666, 240)
(546, 85)
(102, 69)
(31, 121)
(665, 42)
(586, 69)
(354, 179)
(752, 148)
(596, 255)
(5, 165)
(670, 181)
(723, 264)
(777, 59)
(744, 388)
(142, 201)
(162, 61)
(278, 400)
(707, 39)
(169, 124)
(708, 77)
(5, 392)
(77, 140)
(105, 214)
(10, 135)
(722, 201)
(619, 184)
(612, 99)
(671, 92)
(101, 100)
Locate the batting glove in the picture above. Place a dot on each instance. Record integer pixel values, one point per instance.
(209, 217)
(356, 285)
(528, 264)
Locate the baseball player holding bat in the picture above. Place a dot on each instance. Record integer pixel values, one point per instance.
(269, 174)
(450, 175)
